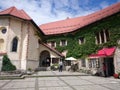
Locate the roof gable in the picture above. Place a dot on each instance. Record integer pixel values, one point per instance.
(69, 25)
(15, 12)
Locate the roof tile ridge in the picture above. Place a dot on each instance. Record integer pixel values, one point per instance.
(80, 17)
(12, 8)
(104, 9)
(25, 14)
(66, 26)
(15, 11)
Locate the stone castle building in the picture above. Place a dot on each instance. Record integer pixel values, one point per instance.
(91, 36)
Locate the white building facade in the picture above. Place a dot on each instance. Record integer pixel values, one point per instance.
(19, 40)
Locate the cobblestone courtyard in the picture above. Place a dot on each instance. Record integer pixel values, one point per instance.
(62, 83)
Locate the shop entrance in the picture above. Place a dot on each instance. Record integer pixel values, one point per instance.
(110, 66)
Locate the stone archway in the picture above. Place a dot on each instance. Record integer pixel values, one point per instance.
(44, 60)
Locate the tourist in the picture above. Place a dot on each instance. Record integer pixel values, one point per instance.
(60, 66)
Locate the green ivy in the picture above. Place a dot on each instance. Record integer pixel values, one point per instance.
(111, 23)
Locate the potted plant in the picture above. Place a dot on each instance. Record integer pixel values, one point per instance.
(29, 71)
(116, 75)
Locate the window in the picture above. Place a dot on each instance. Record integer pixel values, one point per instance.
(53, 44)
(107, 35)
(93, 63)
(83, 63)
(14, 44)
(102, 36)
(63, 43)
(81, 40)
(97, 38)
(3, 30)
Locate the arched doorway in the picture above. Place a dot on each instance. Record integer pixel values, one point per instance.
(44, 59)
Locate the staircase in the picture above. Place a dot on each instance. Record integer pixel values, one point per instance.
(42, 69)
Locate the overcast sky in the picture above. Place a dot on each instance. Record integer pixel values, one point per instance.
(45, 11)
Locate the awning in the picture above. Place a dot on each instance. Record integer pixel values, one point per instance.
(97, 56)
(105, 52)
(71, 59)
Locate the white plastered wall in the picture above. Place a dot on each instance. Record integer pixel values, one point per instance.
(117, 60)
(33, 48)
(4, 22)
(15, 28)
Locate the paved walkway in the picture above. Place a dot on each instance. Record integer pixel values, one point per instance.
(61, 83)
(56, 74)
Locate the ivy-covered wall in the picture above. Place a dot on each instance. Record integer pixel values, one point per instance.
(112, 24)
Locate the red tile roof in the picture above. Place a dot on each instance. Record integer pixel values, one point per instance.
(69, 25)
(15, 12)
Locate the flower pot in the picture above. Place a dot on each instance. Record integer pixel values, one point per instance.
(116, 76)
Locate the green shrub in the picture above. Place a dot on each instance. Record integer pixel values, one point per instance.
(7, 65)
(29, 69)
(55, 67)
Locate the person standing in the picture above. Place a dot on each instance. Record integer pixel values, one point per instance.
(60, 66)
(104, 70)
(48, 63)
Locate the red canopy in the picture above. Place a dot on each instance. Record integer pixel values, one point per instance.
(103, 53)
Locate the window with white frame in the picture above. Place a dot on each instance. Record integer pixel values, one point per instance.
(81, 40)
(63, 43)
(53, 44)
(102, 36)
(94, 63)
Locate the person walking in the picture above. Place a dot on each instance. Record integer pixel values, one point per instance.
(60, 66)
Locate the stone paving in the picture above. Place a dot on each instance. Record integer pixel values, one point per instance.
(57, 73)
(61, 83)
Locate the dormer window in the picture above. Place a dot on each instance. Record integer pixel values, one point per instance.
(63, 43)
(81, 40)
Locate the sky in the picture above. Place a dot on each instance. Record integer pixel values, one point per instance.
(46, 11)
